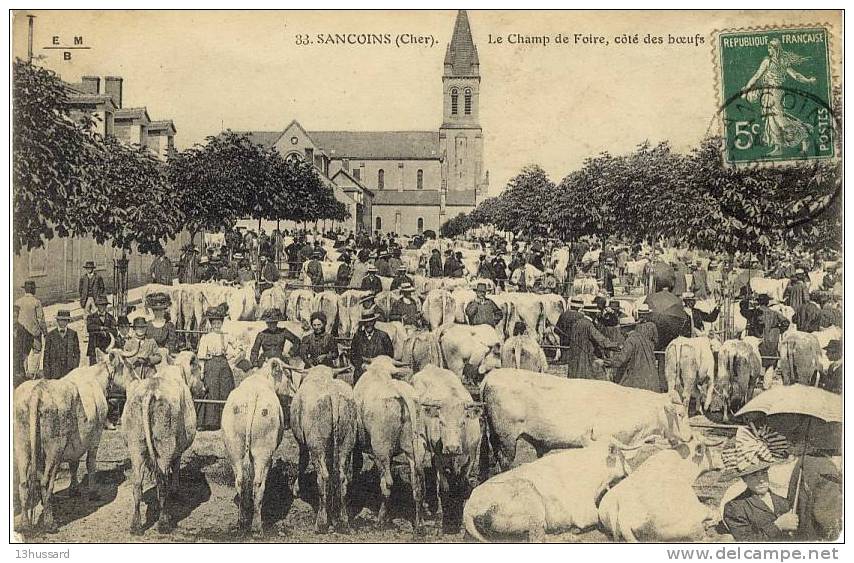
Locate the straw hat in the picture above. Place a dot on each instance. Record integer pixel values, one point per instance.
(753, 450)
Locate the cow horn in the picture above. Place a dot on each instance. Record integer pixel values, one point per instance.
(112, 342)
(433, 404)
(625, 448)
(399, 364)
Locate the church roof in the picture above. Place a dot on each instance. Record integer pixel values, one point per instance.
(461, 54)
(460, 197)
(379, 145)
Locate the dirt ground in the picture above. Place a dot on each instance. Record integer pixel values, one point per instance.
(205, 510)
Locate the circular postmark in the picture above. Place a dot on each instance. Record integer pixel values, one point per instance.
(794, 137)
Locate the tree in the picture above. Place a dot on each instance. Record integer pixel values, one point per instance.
(456, 226)
(51, 147)
(520, 207)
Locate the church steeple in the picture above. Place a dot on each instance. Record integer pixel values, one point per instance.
(460, 136)
(461, 56)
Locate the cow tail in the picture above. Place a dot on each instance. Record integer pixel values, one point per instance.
(791, 364)
(517, 355)
(335, 454)
(470, 523)
(436, 351)
(32, 474)
(146, 428)
(412, 414)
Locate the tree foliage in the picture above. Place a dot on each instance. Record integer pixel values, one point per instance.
(51, 149)
(456, 226)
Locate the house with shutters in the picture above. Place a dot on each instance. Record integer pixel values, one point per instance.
(405, 181)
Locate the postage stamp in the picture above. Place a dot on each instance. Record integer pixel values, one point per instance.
(776, 95)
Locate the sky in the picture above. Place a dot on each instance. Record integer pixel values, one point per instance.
(551, 105)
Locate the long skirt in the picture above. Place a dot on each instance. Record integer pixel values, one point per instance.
(219, 382)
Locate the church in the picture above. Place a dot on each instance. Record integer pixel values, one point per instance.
(404, 181)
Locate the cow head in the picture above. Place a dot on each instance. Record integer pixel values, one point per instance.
(702, 453)
(673, 421)
(491, 360)
(616, 467)
(448, 425)
(286, 379)
(191, 371)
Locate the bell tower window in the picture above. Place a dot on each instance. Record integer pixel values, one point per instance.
(455, 95)
(467, 101)
(381, 179)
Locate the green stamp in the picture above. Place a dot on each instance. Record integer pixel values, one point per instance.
(775, 94)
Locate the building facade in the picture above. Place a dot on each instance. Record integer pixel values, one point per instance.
(405, 181)
(57, 266)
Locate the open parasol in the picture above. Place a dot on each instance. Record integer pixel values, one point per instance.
(668, 315)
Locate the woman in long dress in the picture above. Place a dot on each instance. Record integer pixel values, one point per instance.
(217, 375)
(781, 129)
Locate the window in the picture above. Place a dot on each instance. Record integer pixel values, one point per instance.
(379, 223)
(467, 101)
(38, 261)
(420, 224)
(309, 155)
(420, 181)
(293, 157)
(357, 174)
(381, 179)
(454, 101)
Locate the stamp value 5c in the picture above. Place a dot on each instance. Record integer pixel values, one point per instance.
(776, 95)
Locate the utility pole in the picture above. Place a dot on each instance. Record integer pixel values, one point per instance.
(30, 39)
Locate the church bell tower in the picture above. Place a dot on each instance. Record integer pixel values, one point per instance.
(460, 136)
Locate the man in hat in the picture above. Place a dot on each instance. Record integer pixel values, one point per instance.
(314, 271)
(766, 323)
(634, 365)
(91, 287)
(100, 326)
(141, 351)
(698, 317)
(435, 264)
(499, 271)
(61, 348)
(609, 322)
(369, 305)
(587, 347)
(450, 264)
(372, 282)
(395, 262)
(161, 270)
(608, 276)
(122, 331)
(806, 318)
(269, 274)
(519, 276)
(318, 249)
(400, 278)
(270, 342)
(757, 514)
(798, 292)
(407, 308)
(29, 328)
(207, 271)
(383, 268)
(344, 273)
(188, 265)
(483, 310)
(360, 268)
(368, 343)
(484, 268)
(318, 347)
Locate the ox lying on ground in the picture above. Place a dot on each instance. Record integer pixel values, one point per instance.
(552, 412)
(253, 425)
(389, 424)
(323, 420)
(58, 421)
(657, 502)
(452, 431)
(159, 424)
(550, 495)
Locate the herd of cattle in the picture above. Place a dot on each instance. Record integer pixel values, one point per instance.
(413, 408)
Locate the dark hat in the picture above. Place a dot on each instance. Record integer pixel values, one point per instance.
(140, 322)
(30, 286)
(89, 265)
(481, 287)
(369, 316)
(158, 300)
(763, 299)
(271, 316)
(753, 449)
(63, 315)
(217, 312)
(101, 300)
(123, 321)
